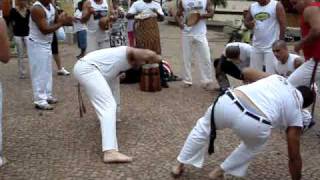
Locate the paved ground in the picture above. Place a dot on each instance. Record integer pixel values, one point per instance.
(60, 145)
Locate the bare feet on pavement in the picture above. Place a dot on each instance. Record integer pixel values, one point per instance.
(113, 156)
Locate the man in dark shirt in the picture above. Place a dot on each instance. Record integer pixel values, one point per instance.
(19, 18)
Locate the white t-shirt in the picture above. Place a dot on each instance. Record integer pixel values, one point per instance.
(286, 69)
(77, 25)
(35, 34)
(194, 5)
(277, 99)
(100, 10)
(267, 28)
(141, 6)
(245, 51)
(110, 61)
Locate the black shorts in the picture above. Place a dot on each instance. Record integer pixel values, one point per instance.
(54, 45)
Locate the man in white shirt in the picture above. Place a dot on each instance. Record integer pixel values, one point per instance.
(98, 72)
(43, 23)
(81, 30)
(286, 62)
(251, 111)
(268, 20)
(236, 56)
(194, 40)
(95, 12)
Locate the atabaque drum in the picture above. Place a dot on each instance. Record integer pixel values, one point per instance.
(150, 78)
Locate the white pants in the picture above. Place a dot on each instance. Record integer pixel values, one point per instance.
(253, 134)
(202, 51)
(101, 96)
(302, 75)
(96, 42)
(21, 44)
(1, 145)
(40, 62)
(259, 58)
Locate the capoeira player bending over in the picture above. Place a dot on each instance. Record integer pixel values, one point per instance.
(251, 111)
(97, 73)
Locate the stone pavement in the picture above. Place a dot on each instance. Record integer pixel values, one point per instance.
(59, 145)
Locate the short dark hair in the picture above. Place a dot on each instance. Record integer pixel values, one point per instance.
(232, 52)
(307, 94)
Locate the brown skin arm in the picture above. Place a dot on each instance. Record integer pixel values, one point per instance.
(295, 162)
(179, 15)
(4, 45)
(251, 75)
(282, 19)
(86, 12)
(298, 62)
(209, 10)
(39, 17)
(249, 22)
(312, 16)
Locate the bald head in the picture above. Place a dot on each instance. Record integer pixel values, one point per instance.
(280, 51)
(232, 52)
(280, 44)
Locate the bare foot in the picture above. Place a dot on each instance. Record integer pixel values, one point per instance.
(177, 170)
(113, 156)
(217, 174)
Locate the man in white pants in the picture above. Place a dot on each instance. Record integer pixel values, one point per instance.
(194, 39)
(4, 57)
(251, 111)
(97, 73)
(268, 20)
(309, 44)
(287, 62)
(43, 22)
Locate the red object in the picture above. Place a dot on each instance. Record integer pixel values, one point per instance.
(131, 39)
(311, 50)
(6, 6)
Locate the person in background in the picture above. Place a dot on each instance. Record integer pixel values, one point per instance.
(130, 28)
(267, 19)
(80, 29)
(19, 19)
(118, 33)
(55, 50)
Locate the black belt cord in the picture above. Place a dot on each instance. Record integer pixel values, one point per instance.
(213, 133)
(312, 80)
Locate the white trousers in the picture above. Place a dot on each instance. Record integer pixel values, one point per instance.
(40, 62)
(21, 44)
(1, 134)
(259, 58)
(96, 42)
(302, 75)
(253, 134)
(199, 44)
(102, 99)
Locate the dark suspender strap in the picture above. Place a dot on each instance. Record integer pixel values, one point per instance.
(213, 133)
(312, 80)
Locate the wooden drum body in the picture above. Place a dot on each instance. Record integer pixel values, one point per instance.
(150, 78)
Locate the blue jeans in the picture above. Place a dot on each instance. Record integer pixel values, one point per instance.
(82, 39)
